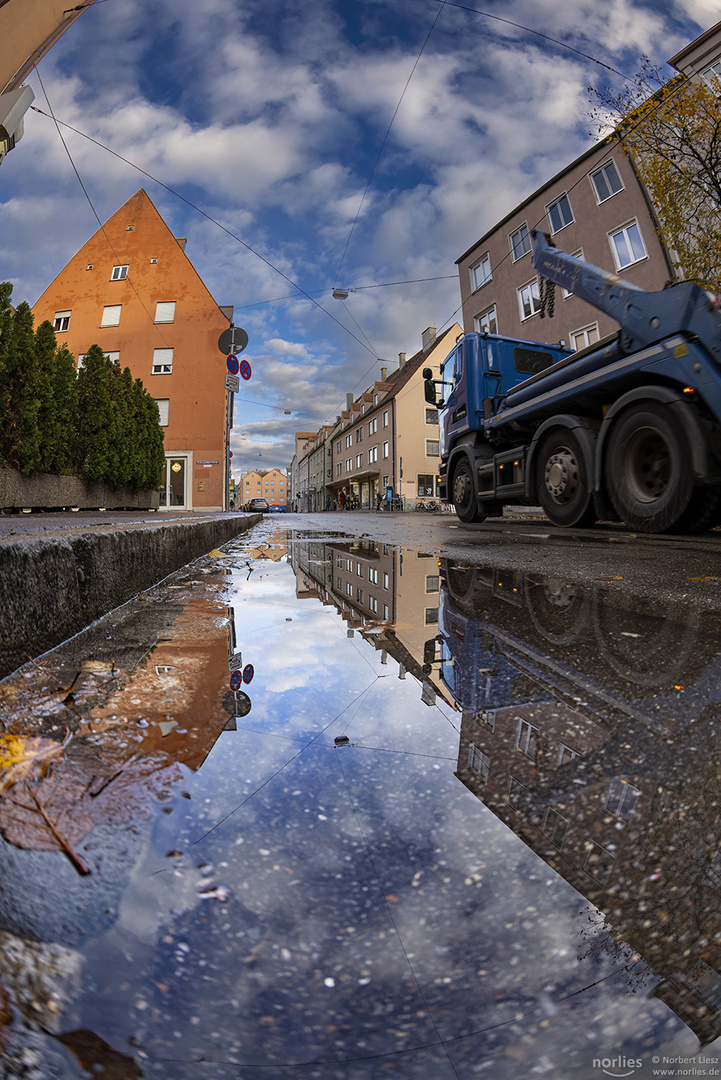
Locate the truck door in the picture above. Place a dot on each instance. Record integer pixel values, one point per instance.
(454, 417)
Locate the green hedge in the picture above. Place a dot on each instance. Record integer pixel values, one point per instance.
(98, 423)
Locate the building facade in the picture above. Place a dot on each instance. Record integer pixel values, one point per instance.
(132, 290)
(270, 484)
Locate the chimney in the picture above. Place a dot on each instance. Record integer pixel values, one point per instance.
(181, 241)
(401, 359)
(428, 337)
(349, 401)
(384, 374)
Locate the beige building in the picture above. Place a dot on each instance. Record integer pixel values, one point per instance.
(270, 484)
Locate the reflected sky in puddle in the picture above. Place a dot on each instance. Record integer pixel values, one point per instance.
(458, 823)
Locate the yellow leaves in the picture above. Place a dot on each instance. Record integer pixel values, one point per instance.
(23, 758)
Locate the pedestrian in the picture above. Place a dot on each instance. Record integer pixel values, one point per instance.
(379, 500)
(342, 500)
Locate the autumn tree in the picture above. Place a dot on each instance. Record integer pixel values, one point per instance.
(671, 131)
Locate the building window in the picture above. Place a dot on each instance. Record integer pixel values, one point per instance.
(373, 425)
(385, 418)
(349, 439)
(627, 245)
(526, 738)
(339, 469)
(487, 321)
(165, 311)
(349, 464)
(111, 315)
(480, 272)
(432, 583)
(119, 273)
(432, 448)
(528, 299)
(432, 417)
(606, 182)
(339, 446)
(599, 863)
(162, 361)
(164, 409)
(554, 827)
(574, 255)
(520, 242)
(385, 612)
(425, 484)
(359, 569)
(359, 595)
(565, 754)
(587, 335)
(372, 454)
(560, 214)
(714, 70)
(431, 616)
(373, 575)
(359, 461)
(386, 580)
(359, 434)
(517, 793)
(61, 321)
(349, 588)
(373, 604)
(479, 763)
(621, 798)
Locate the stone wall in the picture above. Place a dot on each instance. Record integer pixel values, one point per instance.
(18, 491)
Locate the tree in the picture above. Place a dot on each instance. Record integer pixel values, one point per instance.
(671, 131)
(23, 448)
(95, 417)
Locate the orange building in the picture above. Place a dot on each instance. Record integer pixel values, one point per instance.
(132, 290)
(270, 484)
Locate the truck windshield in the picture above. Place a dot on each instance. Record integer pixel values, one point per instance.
(457, 360)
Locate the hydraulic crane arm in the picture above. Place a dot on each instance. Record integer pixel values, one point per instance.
(645, 317)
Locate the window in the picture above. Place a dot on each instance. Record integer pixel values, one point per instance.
(606, 182)
(163, 408)
(621, 798)
(517, 793)
(432, 583)
(385, 580)
(349, 439)
(119, 273)
(528, 299)
(339, 469)
(359, 434)
(349, 588)
(385, 418)
(587, 335)
(385, 454)
(574, 255)
(61, 321)
(111, 315)
(373, 425)
(373, 604)
(372, 454)
(348, 464)
(480, 272)
(114, 358)
(432, 417)
(520, 242)
(385, 612)
(565, 754)
(714, 70)
(432, 448)
(425, 485)
(359, 569)
(359, 461)
(339, 446)
(554, 827)
(373, 575)
(560, 214)
(162, 361)
(627, 245)
(487, 321)
(599, 863)
(165, 311)
(359, 595)
(431, 616)
(526, 738)
(479, 763)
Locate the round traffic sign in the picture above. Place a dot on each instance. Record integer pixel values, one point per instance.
(245, 369)
(236, 702)
(236, 680)
(232, 364)
(233, 340)
(248, 673)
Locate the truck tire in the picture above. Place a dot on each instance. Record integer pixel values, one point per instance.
(703, 512)
(648, 468)
(561, 482)
(464, 493)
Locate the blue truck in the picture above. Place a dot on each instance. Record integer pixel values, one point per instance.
(627, 429)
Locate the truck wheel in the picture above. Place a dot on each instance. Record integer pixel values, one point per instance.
(647, 468)
(463, 490)
(561, 483)
(703, 512)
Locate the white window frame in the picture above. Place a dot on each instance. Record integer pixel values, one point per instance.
(524, 238)
(625, 230)
(62, 317)
(534, 299)
(111, 315)
(119, 273)
(163, 361)
(385, 418)
(373, 425)
(606, 167)
(480, 272)
(561, 216)
(486, 322)
(479, 763)
(165, 311)
(527, 737)
(592, 328)
(574, 255)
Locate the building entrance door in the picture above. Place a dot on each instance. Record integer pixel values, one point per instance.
(174, 488)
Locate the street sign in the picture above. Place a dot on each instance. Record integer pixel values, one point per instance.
(235, 662)
(232, 382)
(245, 369)
(233, 340)
(236, 702)
(248, 673)
(232, 364)
(236, 680)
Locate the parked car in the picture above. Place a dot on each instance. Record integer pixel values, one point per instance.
(277, 508)
(257, 506)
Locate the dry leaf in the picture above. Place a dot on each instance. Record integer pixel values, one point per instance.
(24, 757)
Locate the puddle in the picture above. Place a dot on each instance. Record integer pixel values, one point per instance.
(349, 811)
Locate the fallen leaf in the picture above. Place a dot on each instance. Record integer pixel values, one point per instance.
(22, 757)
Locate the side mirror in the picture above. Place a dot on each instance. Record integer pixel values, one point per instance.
(429, 389)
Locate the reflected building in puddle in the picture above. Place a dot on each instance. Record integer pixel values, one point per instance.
(590, 729)
(386, 594)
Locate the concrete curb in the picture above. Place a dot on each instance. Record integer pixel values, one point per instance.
(52, 588)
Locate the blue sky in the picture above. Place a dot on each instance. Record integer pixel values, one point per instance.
(270, 115)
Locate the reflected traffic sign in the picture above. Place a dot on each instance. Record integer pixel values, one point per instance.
(248, 673)
(232, 364)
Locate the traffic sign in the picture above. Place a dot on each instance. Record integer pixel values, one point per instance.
(232, 364)
(232, 382)
(236, 702)
(248, 673)
(245, 369)
(236, 680)
(235, 662)
(233, 340)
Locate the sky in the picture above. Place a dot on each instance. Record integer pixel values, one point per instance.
(302, 146)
